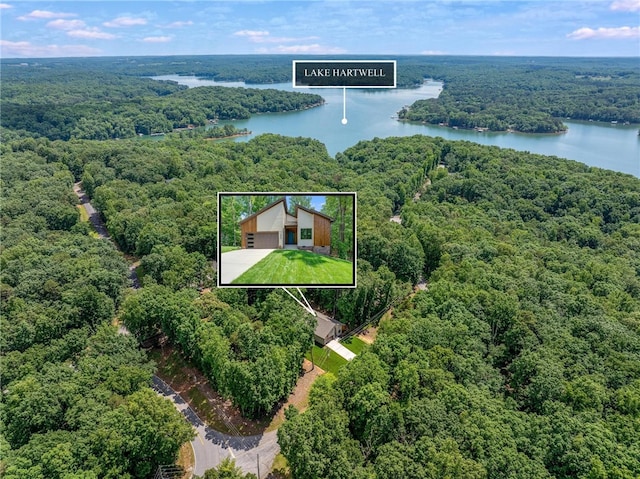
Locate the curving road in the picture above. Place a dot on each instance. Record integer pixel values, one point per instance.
(210, 447)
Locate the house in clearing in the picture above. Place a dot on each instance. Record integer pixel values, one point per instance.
(327, 329)
(273, 227)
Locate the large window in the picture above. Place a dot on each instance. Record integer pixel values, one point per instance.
(305, 233)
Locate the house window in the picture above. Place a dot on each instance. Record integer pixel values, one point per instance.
(305, 233)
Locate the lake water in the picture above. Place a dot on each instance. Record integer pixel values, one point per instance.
(372, 113)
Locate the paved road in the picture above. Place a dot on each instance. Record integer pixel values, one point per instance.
(210, 447)
(101, 228)
(234, 263)
(94, 216)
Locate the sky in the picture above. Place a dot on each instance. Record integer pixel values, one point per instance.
(327, 27)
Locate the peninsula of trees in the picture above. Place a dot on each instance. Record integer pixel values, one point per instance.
(106, 98)
(101, 105)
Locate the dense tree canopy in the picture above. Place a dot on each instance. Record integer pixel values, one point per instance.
(531, 95)
(520, 359)
(101, 105)
(250, 354)
(76, 400)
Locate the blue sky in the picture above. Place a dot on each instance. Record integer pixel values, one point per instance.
(431, 27)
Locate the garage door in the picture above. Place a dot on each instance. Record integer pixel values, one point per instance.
(262, 240)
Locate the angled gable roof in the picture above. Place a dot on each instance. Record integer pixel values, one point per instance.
(324, 326)
(262, 210)
(284, 205)
(313, 212)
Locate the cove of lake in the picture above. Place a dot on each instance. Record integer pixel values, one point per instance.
(372, 113)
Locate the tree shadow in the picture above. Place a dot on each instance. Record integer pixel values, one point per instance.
(306, 257)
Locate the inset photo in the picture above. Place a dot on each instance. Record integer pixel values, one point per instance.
(268, 240)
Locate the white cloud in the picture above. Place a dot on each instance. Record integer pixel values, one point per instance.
(433, 52)
(5, 5)
(265, 37)
(45, 14)
(91, 33)
(606, 33)
(160, 39)
(125, 22)
(180, 24)
(28, 50)
(314, 49)
(626, 5)
(251, 33)
(61, 24)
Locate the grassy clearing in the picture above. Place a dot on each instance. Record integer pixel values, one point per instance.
(298, 267)
(326, 359)
(171, 367)
(355, 345)
(280, 468)
(225, 249)
(186, 459)
(84, 217)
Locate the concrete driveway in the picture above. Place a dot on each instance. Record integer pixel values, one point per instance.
(234, 263)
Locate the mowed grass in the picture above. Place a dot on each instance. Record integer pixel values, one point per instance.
(284, 266)
(225, 249)
(326, 359)
(355, 345)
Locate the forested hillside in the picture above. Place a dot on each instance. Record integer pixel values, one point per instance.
(522, 359)
(76, 400)
(68, 103)
(530, 95)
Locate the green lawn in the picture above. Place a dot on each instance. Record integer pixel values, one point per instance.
(288, 266)
(224, 249)
(355, 345)
(326, 359)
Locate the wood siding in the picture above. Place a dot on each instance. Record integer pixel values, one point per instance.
(248, 227)
(321, 231)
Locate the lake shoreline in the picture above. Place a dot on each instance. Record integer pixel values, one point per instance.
(482, 129)
(373, 114)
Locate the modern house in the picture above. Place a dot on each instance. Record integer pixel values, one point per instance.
(327, 329)
(273, 227)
